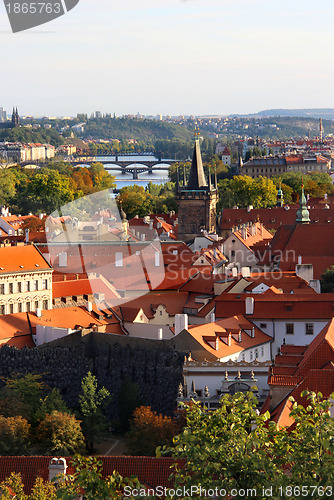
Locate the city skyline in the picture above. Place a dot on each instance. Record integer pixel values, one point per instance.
(171, 57)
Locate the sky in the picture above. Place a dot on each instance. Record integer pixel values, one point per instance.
(191, 57)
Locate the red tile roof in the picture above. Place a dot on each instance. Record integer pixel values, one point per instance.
(21, 259)
(151, 471)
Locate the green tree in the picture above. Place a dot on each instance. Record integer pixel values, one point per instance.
(13, 485)
(14, 435)
(327, 280)
(310, 444)
(128, 400)
(60, 434)
(21, 395)
(92, 403)
(43, 490)
(52, 402)
(101, 177)
(135, 201)
(228, 448)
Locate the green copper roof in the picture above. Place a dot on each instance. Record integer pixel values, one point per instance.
(303, 216)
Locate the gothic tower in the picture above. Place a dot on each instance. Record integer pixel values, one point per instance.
(196, 201)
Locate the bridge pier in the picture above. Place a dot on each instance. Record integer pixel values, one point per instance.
(123, 170)
(150, 170)
(135, 174)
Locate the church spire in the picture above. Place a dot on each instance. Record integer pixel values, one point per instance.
(197, 181)
(303, 216)
(280, 196)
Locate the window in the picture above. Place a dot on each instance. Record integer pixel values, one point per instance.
(28, 307)
(19, 287)
(256, 354)
(11, 308)
(11, 287)
(289, 328)
(262, 351)
(44, 284)
(251, 355)
(27, 286)
(3, 309)
(309, 328)
(263, 325)
(45, 304)
(19, 307)
(232, 253)
(36, 304)
(243, 357)
(36, 284)
(2, 289)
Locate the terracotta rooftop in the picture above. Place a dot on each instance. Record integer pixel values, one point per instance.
(21, 259)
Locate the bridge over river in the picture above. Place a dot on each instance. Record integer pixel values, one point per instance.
(128, 164)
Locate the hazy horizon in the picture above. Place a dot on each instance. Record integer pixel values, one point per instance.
(171, 57)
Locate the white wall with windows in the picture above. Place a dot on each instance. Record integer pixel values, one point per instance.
(291, 331)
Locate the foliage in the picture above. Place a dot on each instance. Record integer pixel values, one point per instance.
(27, 135)
(60, 434)
(148, 430)
(92, 403)
(226, 448)
(327, 280)
(88, 477)
(243, 191)
(234, 447)
(52, 402)
(43, 490)
(310, 445)
(21, 395)
(316, 184)
(14, 435)
(128, 400)
(135, 201)
(13, 485)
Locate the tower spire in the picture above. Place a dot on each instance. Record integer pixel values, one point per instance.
(303, 216)
(197, 181)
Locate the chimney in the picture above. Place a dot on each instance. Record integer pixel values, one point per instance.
(300, 259)
(39, 312)
(119, 259)
(160, 334)
(181, 323)
(63, 259)
(212, 317)
(157, 259)
(57, 466)
(253, 332)
(151, 225)
(245, 272)
(27, 235)
(239, 336)
(89, 307)
(234, 272)
(249, 305)
(142, 237)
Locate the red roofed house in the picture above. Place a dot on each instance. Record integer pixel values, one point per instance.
(25, 280)
(298, 368)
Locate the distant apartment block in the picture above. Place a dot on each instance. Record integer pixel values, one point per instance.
(18, 152)
(277, 165)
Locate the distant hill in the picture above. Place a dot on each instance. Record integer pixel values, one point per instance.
(325, 113)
